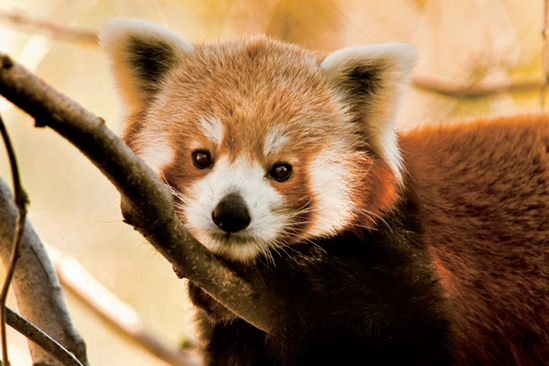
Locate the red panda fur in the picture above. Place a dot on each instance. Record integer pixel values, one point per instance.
(383, 188)
(425, 248)
(482, 195)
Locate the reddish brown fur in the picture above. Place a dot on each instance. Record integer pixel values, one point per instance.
(482, 193)
(380, 191)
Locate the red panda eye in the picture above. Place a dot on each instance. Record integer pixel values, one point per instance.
(202, 159)
(281, 172)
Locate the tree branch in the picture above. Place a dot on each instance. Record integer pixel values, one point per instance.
(21, 201)
(40, 338)
(37, 290)
(146, 202)
(55, 29)
(544, 31)
(482, 89)
(434, 84)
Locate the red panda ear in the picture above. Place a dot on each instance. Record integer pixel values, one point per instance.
(141, 54)
(370, 79)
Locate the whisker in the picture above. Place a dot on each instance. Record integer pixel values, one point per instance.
(370, 215)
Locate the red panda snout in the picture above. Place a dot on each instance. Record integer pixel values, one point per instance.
(231, 213)
(234, 211)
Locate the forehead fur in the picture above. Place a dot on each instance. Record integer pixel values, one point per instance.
(253, 87)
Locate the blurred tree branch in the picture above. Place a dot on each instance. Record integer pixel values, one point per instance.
(53, 28)
(117, 314)
(430, 83)
(545, 53)
(37, 290)
(456, 89)
(147, 203)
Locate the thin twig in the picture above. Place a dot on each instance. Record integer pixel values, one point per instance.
(21, 201)
(36, 335)
(545, 55)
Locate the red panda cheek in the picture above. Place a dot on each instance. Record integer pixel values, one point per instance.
(297, 200)
(382, 188)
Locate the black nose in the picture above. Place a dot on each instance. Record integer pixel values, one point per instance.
(231, 213)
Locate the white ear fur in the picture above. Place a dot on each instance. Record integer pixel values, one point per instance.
(371, 79)
(141, 54)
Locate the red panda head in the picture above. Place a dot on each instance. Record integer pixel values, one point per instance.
(263, 143)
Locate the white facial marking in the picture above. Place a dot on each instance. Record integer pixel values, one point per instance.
(213, 129)
(276, 139)
(248, 179)
(194, 145)
(156, 151)
(330, 177)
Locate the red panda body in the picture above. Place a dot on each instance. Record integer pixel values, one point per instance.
(424, 248)
(481, 192)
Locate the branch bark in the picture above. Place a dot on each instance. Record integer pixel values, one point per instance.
(146, 202)
(37, 290)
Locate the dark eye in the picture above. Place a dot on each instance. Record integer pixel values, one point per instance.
(202, 159)
(281, 172)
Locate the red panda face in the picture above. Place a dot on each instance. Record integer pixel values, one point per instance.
(257, 159)
(260, 141)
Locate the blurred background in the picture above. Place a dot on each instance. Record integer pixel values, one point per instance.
(476, 57)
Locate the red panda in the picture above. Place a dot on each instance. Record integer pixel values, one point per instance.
(422, 248)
